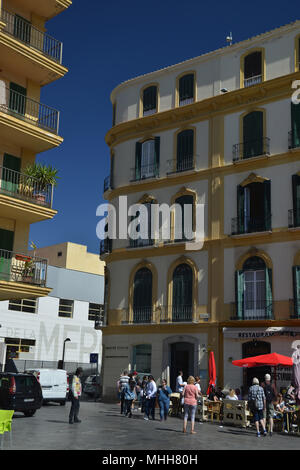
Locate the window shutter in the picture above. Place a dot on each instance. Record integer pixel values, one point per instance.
(296, 199)
(185, 150)
(267, 204)
(239, 294)
(142, 296)
(182, 293)
(253, 134)
(11, 173)
(138, 155)
(269, 296)
(296, 288)
(6, 243)
(295, 116)
(157, 155)
(240, 226)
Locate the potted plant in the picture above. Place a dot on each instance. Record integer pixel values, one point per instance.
(29, 266)
(41, 177)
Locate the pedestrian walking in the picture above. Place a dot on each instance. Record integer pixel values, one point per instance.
(75, 394)
(164, 393)
(129, 397)
(143, 393)
(270, 394)
(190, 395)
(179, 382)
(257, 404)
(124, 379)
(151, 390)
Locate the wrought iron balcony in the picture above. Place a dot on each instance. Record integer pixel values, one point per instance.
(26, 109)
(252, 81)
(27, 188)
(144, 172)
(253, 148)
(24, 268)
(294, 140)
(180, 165)
(105, 246)
(177, 314)
(138, 315)
(140, 242)
(25, 32)
(250, 225)
(252, 310)
(294, 308)
(294, 218)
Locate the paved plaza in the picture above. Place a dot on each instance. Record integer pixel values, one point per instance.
(103, 428)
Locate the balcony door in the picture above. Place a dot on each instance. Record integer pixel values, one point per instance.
(182, 305)
(147, 159)
(10, 173)
(142, 296)
(6, 247)
(295, 118)
(253, 134)
(17, 99)
(255, 289)
(254, 207)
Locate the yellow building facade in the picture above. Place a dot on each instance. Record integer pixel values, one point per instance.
(221, 130)
(29, 59)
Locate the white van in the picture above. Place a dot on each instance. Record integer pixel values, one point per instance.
(54, 383)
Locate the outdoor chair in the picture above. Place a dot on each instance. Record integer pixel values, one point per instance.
(214, 410)
(175, 404)
(5, 425)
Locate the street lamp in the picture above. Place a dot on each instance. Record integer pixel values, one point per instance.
(63, 357)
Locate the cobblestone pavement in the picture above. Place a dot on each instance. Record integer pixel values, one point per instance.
(103, 428)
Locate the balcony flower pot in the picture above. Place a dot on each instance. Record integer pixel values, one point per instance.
(40, 177)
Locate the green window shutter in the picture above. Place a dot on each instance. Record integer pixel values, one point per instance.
(182, 293)
(240, 227)
(142, 296)
(138, 156)
(186, 87)
(17, 98)
(296, 199)
(253, 127)
(296, 288)
(157, 155)
(267, 204)
(295, 117)
(182, 201)
(6, 244)
(10, 173)
(239, 294)
(269, 296)
(185, 150)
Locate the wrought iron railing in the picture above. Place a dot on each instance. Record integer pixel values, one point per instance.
(294, 140)
(250, 149)
(24, 268)
(144, 172)
(252, 81)
(177, 314)
(28, 188)
(294, 308)
(25, 32)
(252, 310)
(105, 246)
(294, 217)
(182, 164)
(138, 315)
(24, 108)
(250, 224)
(140, 242)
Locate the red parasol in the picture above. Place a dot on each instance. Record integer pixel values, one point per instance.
(211, 371)
(272, 359)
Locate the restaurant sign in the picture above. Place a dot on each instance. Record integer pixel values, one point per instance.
(236, 333)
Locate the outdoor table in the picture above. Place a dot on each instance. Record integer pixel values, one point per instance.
(290, 414)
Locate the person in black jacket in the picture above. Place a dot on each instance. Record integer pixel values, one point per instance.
(270, 394)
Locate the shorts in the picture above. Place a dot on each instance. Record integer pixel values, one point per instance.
(270, 411)
(258, 415)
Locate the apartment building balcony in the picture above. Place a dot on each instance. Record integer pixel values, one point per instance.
(294, 218)
(26, 122)
(105, 246)
(294, 140)
(260, 309)
(187, 163)
(250, 224)
(144, 172)
(159, 315)
(30, 49)
(251, 81)
(251, 149)
(24, 197)
(140, 243)
(22, 276)
(294, 309)
(45, 8)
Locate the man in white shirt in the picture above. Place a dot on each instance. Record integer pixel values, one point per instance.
(179, 382)
(151, 390)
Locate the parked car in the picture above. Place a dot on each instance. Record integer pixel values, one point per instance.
(54, 383)
(20, 392)
(92, 386)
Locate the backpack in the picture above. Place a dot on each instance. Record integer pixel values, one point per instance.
(269, 393)
(254, 402)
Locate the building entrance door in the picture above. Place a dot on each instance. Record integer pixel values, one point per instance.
(182, 358)
(255, 348)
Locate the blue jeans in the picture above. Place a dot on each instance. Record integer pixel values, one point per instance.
(164, 406)
(150, 407)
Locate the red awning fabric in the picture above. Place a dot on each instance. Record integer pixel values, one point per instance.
(272, 359)
(211, 371)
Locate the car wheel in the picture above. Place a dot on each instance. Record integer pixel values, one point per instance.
(29, 413)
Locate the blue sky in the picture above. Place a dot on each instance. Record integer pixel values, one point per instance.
(106, 43)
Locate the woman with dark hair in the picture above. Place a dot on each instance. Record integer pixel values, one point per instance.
(150, 398)
(164, 393)
(75, 394)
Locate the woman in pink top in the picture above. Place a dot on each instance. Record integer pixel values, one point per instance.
(190, 394)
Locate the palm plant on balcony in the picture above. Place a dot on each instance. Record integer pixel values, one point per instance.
(40, 177)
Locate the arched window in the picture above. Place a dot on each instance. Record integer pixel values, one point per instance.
(253, 69)
(185, 150)
(182, 300)
(150, 100)
(254, 290)
(186, 89)
(142, 296)
(294, 141)
(253, 208)
(147, 159)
